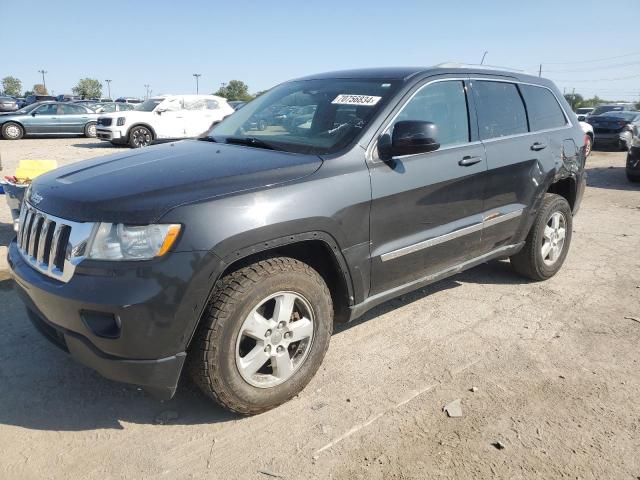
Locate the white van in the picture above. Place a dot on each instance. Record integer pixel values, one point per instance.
(164, 117)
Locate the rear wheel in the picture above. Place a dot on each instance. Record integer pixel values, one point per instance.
(140, 136)
(90, 130)
(264, 335)
(548, 241)
(12, 131)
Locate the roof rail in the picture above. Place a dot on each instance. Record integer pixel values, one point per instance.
(478, 66)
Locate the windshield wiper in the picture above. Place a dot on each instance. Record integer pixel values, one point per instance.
(250, 142)
(207, 139)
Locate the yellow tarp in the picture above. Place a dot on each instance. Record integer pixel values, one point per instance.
(30, 169)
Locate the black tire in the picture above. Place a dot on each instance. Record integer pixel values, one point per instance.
(90, 130)
(529, 261)
(212, 355)
(633, 178)
(139, 136)
(12, 131)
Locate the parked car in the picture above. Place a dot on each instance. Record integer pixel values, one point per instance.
(615, 128)
(49, 118)
(233, 255)
(110, 107)
(21, 102)
(128, 100)
(236, 104)
(583, 113)
(617, 107)
(589, 139)
(38, 98)
(67, 97)
(163, 118)
(8, 104)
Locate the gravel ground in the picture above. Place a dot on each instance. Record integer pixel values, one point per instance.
(555, 366)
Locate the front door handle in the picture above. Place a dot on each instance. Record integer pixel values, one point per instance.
(468, 161)
(538, 146)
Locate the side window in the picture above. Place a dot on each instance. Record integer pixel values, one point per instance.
(194, 104)
(543, 108)
(500, 109)
(67, 109)
(212, 104)
(445, 104)
(174, 104)
(49, 109)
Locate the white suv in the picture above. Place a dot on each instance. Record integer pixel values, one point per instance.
(163, 118)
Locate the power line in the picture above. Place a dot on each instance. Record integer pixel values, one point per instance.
(564, 80)
(593, 60)
(603, 67)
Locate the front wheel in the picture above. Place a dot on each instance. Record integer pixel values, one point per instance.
(263, 336)
(12, 131)
(140, 136)
(548, 241)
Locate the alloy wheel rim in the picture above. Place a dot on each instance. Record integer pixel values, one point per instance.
(553, 238)
(275, 339)
(92, 130)
(141, 137)
(12, 131)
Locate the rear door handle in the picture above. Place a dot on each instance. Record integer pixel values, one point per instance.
(468, 161)
(538, 146)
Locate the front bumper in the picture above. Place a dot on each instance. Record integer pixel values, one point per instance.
(612, 138)
(109, 134)
(155, 307)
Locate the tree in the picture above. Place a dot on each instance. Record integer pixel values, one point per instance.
(575, 100)
(235, 90)
(259, 92)
(88, 88)
(38, 89)
(11, 86)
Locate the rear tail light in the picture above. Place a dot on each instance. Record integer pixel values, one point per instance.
(586, 140)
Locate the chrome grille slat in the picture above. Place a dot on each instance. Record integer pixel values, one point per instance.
(45, 242)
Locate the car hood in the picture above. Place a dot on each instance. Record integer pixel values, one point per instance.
(139, 186)
(130, 115)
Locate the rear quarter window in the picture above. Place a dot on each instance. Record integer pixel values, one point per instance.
(500, 109)
(542, 107)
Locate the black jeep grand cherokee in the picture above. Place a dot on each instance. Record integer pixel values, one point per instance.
(233, 255)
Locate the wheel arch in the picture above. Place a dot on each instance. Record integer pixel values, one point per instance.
(142, 124)
(24, 129)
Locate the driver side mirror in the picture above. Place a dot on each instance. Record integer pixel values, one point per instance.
(414, 136)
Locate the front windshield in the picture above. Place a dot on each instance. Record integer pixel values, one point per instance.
(624, 115)
(307, 116)
(606, 108)
(584, 110)
(148, 105)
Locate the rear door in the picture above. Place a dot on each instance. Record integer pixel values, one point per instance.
(199, 115)
(72, 118)
(169, 119)
(516, 157)
(426, 212)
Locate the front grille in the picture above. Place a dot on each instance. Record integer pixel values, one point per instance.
(51, 245)
(104, 121)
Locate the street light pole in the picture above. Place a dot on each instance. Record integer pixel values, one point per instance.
(109, 87)
(44, 84)
(483, 55)
(147, 87)
(197, 75)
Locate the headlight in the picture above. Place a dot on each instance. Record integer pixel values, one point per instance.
(120, 121)
(126, 242)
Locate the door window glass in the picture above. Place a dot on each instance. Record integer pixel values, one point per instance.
(194, 104)
(543, 108)
(500, 109)
(212, 104)
(71, 110)
(445, 104)
(49, 109)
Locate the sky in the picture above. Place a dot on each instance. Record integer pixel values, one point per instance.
(162, 43)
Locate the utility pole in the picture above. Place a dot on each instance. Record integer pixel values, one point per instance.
(109, 87)
(197, 76)
(483, 55)
(44, 84)
(146, 85)
(573, 97)
(540, 71)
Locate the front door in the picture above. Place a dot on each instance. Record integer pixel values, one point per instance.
(43, 119)
(426, 212)
(169, 121)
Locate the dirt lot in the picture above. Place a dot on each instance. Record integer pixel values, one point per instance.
(556, 366)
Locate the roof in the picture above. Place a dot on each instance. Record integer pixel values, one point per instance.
(406, 73)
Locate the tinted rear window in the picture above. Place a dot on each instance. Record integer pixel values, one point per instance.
(543, 108)
(500, 109)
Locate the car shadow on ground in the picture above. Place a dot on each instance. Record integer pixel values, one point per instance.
(98, 144)
(613, 178)
(6, 233)
(43, 388)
